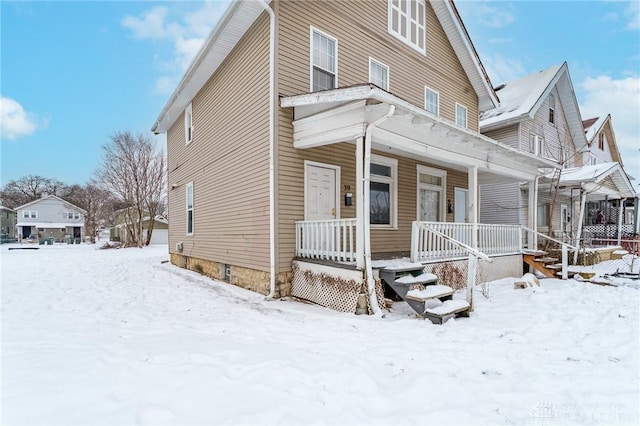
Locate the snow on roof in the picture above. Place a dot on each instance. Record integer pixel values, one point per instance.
(6, 208)
(591, 130)
(518, 97)
(585, 173)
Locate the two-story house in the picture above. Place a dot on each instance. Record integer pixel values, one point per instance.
(7, 223)
(51, 217)
(306, 133)
(539, 114)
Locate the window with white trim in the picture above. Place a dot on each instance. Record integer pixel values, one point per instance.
(407, 22)
(30, 214)
(552, 108)
(431, 194)
(324, 61)
(189, 206)
(188, 124)
(536, 143)
(379, 74)
(431, 101)
(383, 198)
(461, 115)
(543, 214)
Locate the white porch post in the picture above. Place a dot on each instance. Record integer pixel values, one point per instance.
(620, 216)
(472, 176)
(360, 203)
(583, 203)
(532, 238)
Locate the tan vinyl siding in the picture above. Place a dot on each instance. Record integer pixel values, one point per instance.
(361, 30)
(227, 161)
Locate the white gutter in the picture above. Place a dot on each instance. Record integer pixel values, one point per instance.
(371, 285)
(272, 190)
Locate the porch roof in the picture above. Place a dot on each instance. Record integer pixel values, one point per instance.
(342, 115)
(597, 181)
(46, 225)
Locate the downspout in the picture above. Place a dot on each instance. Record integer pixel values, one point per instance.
(371, 284)
(272, 116)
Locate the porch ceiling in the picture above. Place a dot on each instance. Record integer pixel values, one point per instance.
(342, 115)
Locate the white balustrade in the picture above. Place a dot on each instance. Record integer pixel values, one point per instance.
(326, 239)
(492, 240)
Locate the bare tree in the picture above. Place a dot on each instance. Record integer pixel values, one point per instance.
(29, 188)
(97, 202)
(133, 171)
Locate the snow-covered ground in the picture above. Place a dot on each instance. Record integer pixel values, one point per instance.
(115, 337)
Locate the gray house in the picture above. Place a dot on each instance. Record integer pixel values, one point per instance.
(51, 217)
(7, 222)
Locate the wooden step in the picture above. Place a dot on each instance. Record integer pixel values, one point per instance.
(554, 266)
(448, 309)
(404, 267)
(535, 253)
(546, 259)
(430, 292)
(424, 278)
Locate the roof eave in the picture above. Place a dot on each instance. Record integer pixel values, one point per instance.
(234, 23)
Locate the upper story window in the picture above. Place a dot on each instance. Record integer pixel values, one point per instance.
(324, 61)
(73, 215)
(189, 207)
(536, 144)
(431, 101)
(407, 22)
(383, 199)
(30, 214)
(552, 108)
(188, 124)
(601, 141)
(379, 74)
(461, 115)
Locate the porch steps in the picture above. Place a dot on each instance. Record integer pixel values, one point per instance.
(434, 302)
(541, 262)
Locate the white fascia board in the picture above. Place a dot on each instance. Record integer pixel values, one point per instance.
(234, 23)
(463, 47)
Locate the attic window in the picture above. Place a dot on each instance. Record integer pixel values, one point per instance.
(461, 115)
(552, 108)
(407, 22)
(601, 141)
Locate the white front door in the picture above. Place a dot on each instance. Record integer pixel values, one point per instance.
(320, 192)
(461, 205)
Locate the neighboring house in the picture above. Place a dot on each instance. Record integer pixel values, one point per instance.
(7, 222)
(51, 217)
(353, 137)
(159, 235)
(539, 114)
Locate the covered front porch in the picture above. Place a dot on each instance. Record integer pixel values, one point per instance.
(415, 189)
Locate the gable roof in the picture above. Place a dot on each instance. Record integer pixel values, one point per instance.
(54, 197)
(594, 126)
(7, 209)
(239, 17)
(520, 100)
(598, 179)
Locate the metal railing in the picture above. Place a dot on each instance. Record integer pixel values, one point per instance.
(326, 239)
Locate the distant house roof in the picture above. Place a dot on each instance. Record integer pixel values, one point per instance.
(54, 197)
(520, 100)
(240, 15)
(7, 209)
(593, 126)
(598, 179)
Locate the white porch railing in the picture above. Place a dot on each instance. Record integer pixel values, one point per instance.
(492, 240)
(327, 239)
